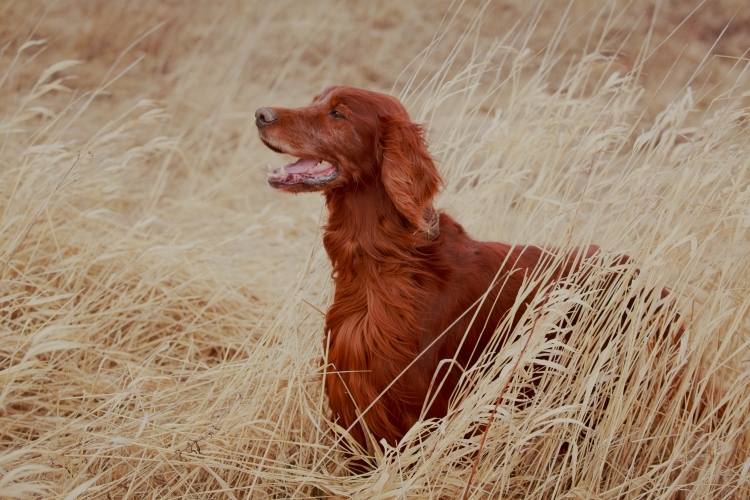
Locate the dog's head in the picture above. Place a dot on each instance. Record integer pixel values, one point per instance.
(352, 137)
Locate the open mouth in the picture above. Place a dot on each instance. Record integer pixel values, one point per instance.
(308, 171)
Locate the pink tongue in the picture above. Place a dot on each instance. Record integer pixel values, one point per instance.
(300, 166)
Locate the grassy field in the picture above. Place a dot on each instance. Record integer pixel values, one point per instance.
(161, 309)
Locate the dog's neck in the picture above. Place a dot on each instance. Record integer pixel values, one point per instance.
(365, 222)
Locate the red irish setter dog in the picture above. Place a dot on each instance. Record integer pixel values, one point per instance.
(405, 275)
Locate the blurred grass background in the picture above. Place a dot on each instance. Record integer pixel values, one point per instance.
(161, 308)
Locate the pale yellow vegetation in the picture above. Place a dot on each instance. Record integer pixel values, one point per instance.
(161, 308)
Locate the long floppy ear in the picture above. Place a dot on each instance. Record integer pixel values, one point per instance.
(407, 170)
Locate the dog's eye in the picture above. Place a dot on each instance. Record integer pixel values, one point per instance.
(334, 113)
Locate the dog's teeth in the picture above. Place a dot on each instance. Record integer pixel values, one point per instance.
(270, 168)
(282, 172)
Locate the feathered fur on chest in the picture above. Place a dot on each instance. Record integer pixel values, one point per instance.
(380, 270)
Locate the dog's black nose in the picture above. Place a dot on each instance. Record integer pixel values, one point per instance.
(265, 116)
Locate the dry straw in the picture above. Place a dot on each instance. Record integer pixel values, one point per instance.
(162, 313)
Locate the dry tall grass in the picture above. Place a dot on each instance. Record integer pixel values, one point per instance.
(162, 310)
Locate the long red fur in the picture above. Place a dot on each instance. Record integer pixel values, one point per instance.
(396, 290)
